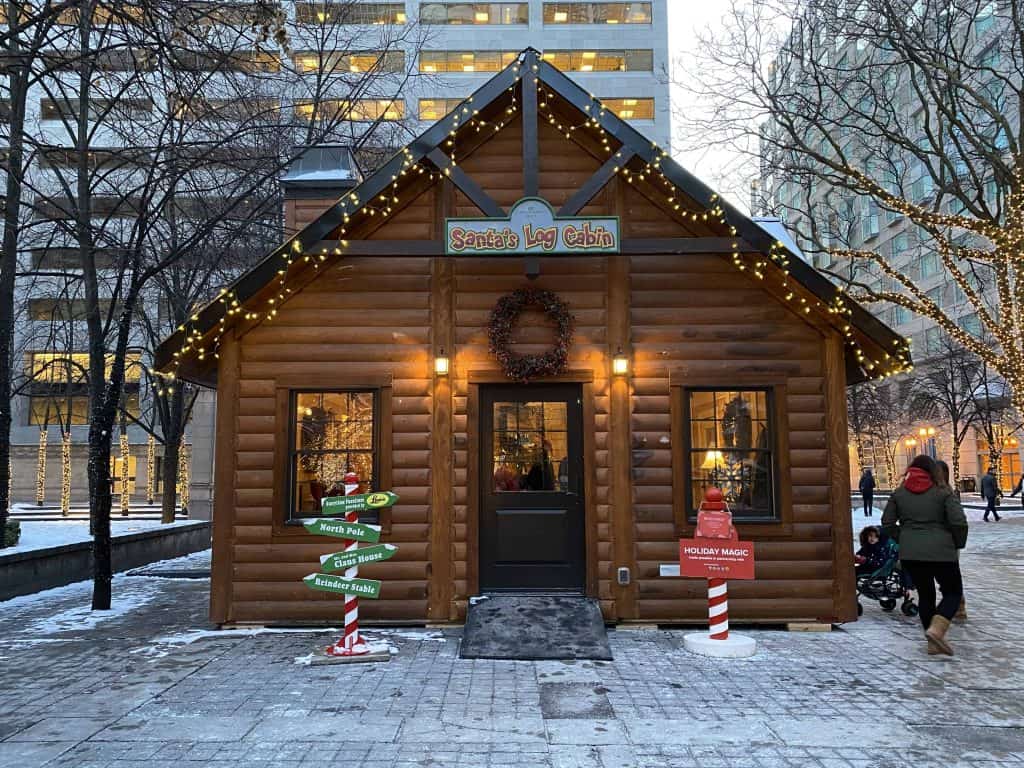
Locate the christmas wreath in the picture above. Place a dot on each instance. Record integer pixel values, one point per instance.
(499, 332)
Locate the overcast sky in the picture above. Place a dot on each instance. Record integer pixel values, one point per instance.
(717, 167)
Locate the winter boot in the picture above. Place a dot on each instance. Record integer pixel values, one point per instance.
(936, 634)
(961, 612)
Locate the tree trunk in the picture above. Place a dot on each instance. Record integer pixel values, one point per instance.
(99, 505)
(955, 462)
(173, 430)
(9, 260)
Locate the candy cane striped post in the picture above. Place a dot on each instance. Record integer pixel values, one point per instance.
(718, 609)
(350, 643)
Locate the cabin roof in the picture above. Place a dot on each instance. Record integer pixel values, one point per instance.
(872, 347)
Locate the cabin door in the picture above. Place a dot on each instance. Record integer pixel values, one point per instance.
(532, 532)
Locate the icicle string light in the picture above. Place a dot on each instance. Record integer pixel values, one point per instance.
(150, 469)
(183, 478)
(125, 486)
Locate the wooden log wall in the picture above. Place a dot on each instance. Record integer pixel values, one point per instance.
(384, 318)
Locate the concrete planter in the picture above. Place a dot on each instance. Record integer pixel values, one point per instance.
(22, 573)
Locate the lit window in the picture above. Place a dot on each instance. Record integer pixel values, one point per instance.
(344, 61)
(333, 433)
(474, 13)
(465, 61)
(597, 13)
(630, 109)
(360, 110)
(729, 443)
(602, 61)
(350, 13)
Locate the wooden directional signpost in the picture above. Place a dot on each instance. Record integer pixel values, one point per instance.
(352, 532)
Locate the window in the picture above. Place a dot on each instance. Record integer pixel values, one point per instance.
(928, 264)
(350, 13)
(901, 316)
(932, 341)
(228, 14)
(235, 61)
(52, 109)
(602, 60)
(869, 221)
(58, 392)
(197, 107)
(332, 433)
(597, 13)
(58, 259)
(630, 109)
(72, 410)
(364, 110)
(61, 309)
(435, 109)
(346, 61)
(985, 19)
(102, 206)
(466, 61)
(474, 13)
(729, 442)
(935, 294)
(971, 323)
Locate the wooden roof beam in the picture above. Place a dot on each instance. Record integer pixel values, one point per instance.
(592, 186)
(466, 185)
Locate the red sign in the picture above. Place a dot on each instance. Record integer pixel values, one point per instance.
(716, 558)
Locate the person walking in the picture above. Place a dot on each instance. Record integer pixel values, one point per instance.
(925, 518)
(990, 491)
(961, 612)
(867, 490)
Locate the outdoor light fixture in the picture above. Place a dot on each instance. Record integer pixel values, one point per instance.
(441, 364)
(620, 363)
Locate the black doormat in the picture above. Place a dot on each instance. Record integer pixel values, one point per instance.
(531, 627)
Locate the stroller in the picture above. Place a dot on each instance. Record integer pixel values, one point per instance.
(887, 584)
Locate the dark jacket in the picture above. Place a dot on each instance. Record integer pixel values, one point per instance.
(867, 483)
(990, 486)
(927, 521)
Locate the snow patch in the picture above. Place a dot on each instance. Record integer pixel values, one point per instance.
(129, 594)
(43, 534)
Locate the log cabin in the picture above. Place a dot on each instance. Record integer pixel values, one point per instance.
(548, 339)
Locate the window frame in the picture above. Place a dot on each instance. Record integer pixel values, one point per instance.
(776, 387)
(287, 388)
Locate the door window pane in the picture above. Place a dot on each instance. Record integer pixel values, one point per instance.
(333, 433)
(729, 445)
(531, 447)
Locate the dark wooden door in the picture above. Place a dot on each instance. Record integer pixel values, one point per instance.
(532, 532)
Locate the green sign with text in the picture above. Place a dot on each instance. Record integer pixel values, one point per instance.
(342, 529)
(339, 561)
(329, 582)
(360, 502)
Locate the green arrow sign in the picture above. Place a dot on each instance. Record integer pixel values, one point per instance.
(339, 561)
(343, 529)
(329, 582)
(360, 502)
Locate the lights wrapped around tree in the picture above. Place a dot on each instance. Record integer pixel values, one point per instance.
(125, 488)
(41, 469)
(150, 469)
(183, 479)
(65, 473)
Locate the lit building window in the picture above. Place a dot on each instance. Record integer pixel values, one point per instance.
(435, 109)
(344, 61)
(641, 60)
(466, 61)
(350, 13)
(597, 13)
(630, 109)
(474, 13)
(361, 110)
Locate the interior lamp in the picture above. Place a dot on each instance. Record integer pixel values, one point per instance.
(712, 460)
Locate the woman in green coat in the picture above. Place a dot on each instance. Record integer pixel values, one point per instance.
(925, 517)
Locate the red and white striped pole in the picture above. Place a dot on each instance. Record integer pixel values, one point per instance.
(350, 643)
(718, 609)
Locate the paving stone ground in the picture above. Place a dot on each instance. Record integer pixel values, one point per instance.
(145, 686)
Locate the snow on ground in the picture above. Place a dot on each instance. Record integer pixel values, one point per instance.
(43, 534)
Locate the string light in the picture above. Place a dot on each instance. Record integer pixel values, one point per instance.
(150, 469)
(41, 469)
(642, 167)
(65, 473)
(125, 489)
(183, 479)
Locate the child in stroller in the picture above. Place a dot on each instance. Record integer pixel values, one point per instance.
(879, 576)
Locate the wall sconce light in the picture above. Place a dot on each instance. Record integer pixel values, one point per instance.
(441, 363)
(620, 363)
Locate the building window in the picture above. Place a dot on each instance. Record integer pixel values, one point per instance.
(971, 323)
(466, 61)
(901, 316)
(360, 110)
(640, 60)
(728, 440)
(332, 433)
(435, 109)
(58, 389)
(630, 109)
(198, 107)
(929, 264)
(62, 309)
(597, 13)
(346, 61)
(474, 13)
(350, 13)
(63, 109)
(933, 341)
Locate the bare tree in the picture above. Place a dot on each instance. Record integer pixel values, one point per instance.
(908, 108)
(946, 385)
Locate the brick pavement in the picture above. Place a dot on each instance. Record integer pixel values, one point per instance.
(130, 690)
